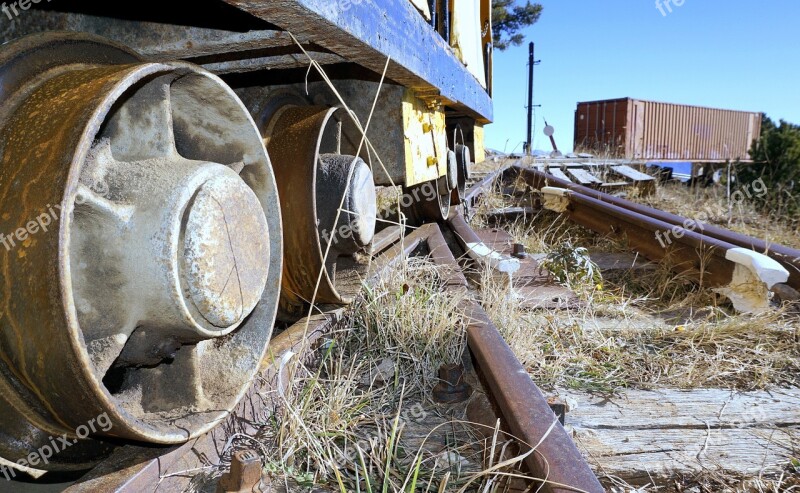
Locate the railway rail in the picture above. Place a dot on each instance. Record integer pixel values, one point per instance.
(742, 268)
(789, 258)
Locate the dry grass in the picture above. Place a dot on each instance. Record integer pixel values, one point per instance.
(358, 417)
(610, 344)
(649, 329)
(712, 206)
(661, 290)
(546, 229)
(638, 329)
(409, 319)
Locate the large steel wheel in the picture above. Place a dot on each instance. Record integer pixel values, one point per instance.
(313, 150)
(143, 279)
(463, 166)
(432, 200)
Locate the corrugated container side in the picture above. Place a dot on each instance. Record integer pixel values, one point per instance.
(647, 130)
(603, 126)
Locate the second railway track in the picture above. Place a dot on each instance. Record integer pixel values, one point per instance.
(743, 268)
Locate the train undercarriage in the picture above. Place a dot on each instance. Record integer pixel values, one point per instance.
(174, 182)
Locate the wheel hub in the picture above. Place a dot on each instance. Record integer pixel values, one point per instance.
(225, 251)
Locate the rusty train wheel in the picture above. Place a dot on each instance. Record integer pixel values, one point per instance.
(143, 279)
(432, 199)
(313, 150)
(431, 202)
(463, 166)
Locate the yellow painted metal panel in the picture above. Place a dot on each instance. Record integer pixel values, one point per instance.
(425, 137)
(478, 135)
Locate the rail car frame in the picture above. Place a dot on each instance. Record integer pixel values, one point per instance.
(270, 43)
(363, 33)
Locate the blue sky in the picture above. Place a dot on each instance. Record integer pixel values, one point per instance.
(721, 53)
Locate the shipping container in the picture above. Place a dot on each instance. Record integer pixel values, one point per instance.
(646, 130)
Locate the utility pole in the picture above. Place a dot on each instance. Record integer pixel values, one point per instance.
(531, 63)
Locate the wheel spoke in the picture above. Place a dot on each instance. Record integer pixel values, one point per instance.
(105, 333)
(238, 167)
(97, 203)
(154, 390)
(141, 127)
(104, 350)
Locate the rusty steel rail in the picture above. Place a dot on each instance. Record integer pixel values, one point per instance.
(742, 275)
(789, 258)
(556, 459)
(695, 254)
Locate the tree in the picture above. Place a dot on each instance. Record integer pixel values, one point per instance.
(776, 158)
(508, 19)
